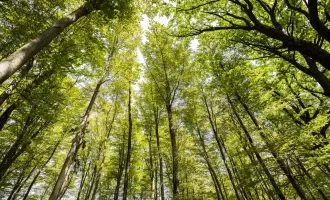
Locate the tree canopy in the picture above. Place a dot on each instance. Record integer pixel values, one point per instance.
(168, 99)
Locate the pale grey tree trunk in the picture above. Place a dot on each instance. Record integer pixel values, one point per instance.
(63, 177)
(16, 60)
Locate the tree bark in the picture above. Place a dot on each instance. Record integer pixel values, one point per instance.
(21, 144)
(220, 146)
(287, 171)
(16, 60)
(97, 182)
(12, 86)
(36, 82)
(161, 176)
(84, 175)
(314, 182)
(31, 185)
(175, 161)
(70, 160)
(258, 156)
(129, 145)
(152, 169)
(120, 170)
(17, 184)
(90, 188)
(315, 21)
(102, 147)
(37, 175)
(7, 113)
(210, 167)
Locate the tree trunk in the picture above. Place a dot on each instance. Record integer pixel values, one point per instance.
(23, 183)
(84, 175)
(31, 185)
(129, 145)
(211, 170)
(102, 148)
(120, 170)
(156, 181)
(97, 182)
(16, 60)
(6, 114)
(36, 82)
(220, 147)
(287, 171)
(17, 184)
(161, 176)
(175, 161)
(90, 188)
(152, 170)
(18, 147)
(70, 160)
(37, 175)
(258, 156)
(314, 182)
(12, 86)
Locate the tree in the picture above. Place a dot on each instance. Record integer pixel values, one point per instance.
(161, 61)
(16, 60)
(259, 25)
(236, 107)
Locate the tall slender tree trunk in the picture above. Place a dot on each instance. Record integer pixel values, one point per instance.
(84, 175)
(102, 148)
(36, 82)
(7, 113)
(258, 156)
(90, 188)
(20, 145)
(152, 168)
(220, 147)
(97, 183)
(161, 176)
(26, 195)
(39, 171)
(244, 192)
(314, 182)
(17, 183)
(14, 83)
(214, 176)
(129, 145)
(287, 171)
(215, 185)
(16, 60)
(120, 170)
(63, 177)
(156, 180)
(175, 157)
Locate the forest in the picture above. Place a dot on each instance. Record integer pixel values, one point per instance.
(164, 99)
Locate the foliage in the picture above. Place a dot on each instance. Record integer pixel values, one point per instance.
(245, 115)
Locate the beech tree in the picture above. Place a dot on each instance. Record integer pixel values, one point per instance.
(167, 82)
(17, 59)
(164, 100)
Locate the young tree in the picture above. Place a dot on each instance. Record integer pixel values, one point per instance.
(165, 65)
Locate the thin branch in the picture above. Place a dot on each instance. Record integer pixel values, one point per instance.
(296, 9)
(195, 7)
(210, 29)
